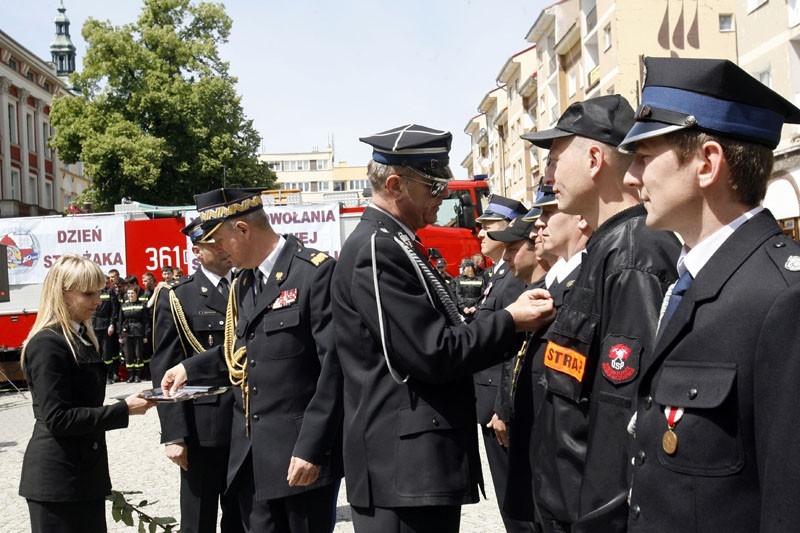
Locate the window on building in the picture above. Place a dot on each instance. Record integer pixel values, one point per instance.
(358, 185)
(12, 123)
(48, 131)
(339, 186)
(31, 132)
(48, 87)
(752, 5)
(726, 22)
(15, 184)
(274, 165)
(30, 195)
(764, 76)
(607, 37)
(794, 12)
(324, 186)
(322, 164)
(48, 195)
(572, 86)
(29, 75)
(12, 64)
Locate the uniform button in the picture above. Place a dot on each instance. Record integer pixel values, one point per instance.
(255, 417)
(281, 322)
(252, 363)
(780, 244)
(640, 457)
(635, 512)
(254, 390)
(251, 336)
(435, 422)
(692, 393)
(490, 380)
(221, 322)
(95, 446)
(648, 403)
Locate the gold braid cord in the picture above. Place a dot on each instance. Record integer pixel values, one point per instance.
(179, 317)
(236, 360)
(518, 362)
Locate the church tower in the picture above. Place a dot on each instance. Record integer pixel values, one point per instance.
(62, 49)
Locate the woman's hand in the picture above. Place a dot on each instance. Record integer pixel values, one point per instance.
(137, 404)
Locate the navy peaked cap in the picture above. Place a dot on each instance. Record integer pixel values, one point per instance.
(502, 208)
(219, 205)
(194, 230)
(713, 95)
(423, 149)
(517, 230)
(605, 119)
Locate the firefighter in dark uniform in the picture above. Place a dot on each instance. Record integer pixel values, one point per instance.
(135, 329)
(468, 289)
(189, 318)
(285, 458)
(717, 420)
(104, 323)
(491, 406)
(407, 358)
(612, 308)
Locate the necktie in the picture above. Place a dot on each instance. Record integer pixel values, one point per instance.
(675, 297)
(258, 284)
(224, 287)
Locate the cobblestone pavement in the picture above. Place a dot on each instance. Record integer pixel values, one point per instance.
(138, 463)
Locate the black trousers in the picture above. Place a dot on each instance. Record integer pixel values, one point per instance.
(203, 490)
(68, 517)
(312, 511)
(430, 519)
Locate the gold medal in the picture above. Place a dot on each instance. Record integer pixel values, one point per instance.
(669, 441)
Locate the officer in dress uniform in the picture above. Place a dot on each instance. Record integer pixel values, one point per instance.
(717, 421)
(285, 459)
(104, 324)
(611, 308)
(189, 318)
(491, 405)
(411, 449)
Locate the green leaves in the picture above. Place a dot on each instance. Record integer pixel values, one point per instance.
(159, 117)
(123, 511)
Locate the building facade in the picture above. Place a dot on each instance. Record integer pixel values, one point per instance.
(33, 181)
(316, 177)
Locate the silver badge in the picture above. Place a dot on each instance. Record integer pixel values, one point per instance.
(792, 263)
(203, 290)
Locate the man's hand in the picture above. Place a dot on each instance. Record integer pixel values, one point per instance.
(499, 428)
(173, 380)
(178, 454)
(532, 310)
(302, 473)
(470, 310)
(110, 330)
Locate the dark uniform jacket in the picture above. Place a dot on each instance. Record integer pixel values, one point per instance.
(501, 291)
(612, 309)
(469, 291)
(729, 357)
(107, 312)
(134, 319)
(204, 421)
(413, 443)
(66, 458)
(288, 333)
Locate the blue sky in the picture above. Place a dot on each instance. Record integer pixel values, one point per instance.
(311, 70)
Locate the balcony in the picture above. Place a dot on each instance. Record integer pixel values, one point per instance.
(591, 19)
(593, 78)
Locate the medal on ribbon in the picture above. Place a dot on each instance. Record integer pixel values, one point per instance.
(669, 441)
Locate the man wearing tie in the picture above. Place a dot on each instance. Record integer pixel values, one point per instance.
(717, 422)
(189, 318)
(284, 460)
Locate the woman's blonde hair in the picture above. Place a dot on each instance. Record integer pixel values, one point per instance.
(69, 272)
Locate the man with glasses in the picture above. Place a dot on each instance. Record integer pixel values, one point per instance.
(407, 358)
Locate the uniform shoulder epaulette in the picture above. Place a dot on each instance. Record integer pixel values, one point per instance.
(314, 257)
(785, 253)
(183, 281)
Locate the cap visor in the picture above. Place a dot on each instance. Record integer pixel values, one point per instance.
(206, 238)
(532, 215)
(544, 138)
(550, 200)
(490, 217)
(504, 236)
(645, 130)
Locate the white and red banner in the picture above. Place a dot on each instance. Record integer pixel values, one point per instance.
(34, 244)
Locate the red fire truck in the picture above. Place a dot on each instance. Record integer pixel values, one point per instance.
(153, 239)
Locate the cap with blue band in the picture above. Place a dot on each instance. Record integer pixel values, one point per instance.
(502, 208)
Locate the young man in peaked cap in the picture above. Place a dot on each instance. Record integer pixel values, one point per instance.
(197, 434)
(410, 445)
(612, 307)
(284, 460)
(717, 414)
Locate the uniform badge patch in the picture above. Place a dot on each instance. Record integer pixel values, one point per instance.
(285, 299)
(565, 360)
(318, 258)
(792, 263)
(620, 363)
(278, 276)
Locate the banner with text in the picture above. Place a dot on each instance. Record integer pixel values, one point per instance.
(34, 244)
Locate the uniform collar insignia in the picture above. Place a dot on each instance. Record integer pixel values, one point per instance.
(204, 289)
(278, 276)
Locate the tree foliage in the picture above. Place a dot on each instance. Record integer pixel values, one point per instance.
(158, 118)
